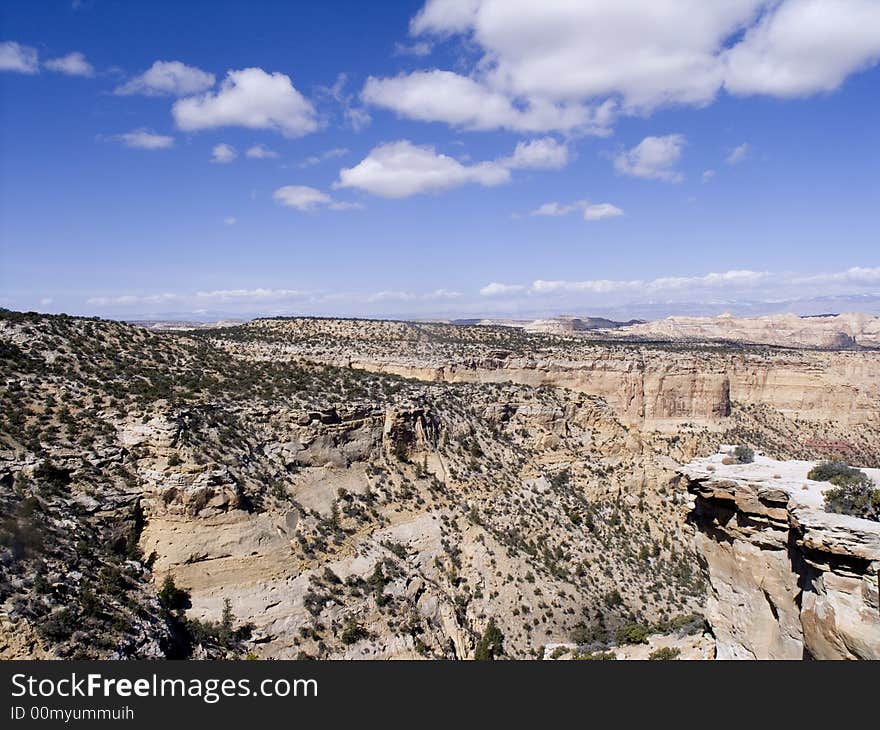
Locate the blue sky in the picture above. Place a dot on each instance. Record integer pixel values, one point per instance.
(454, 158)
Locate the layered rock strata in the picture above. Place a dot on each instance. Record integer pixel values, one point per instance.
(788, 580)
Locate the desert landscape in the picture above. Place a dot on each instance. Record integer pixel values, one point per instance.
(344, 488)
(435, 331)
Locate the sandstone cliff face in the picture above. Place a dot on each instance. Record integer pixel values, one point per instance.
(652, 386)
(789, 330)
(788, 580)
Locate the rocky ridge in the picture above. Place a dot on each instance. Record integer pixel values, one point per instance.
(788, 580)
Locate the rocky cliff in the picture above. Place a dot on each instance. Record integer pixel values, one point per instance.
(840, 331)
(787, 579)
(647, 385)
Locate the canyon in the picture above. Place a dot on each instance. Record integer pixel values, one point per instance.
(379, 489)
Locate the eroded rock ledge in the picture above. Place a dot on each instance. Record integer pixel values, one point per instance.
(788, 580)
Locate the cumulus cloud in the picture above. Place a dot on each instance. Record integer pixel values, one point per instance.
(548, 66)
(599, 211)
(707, 175)
(230, 221)
(301, 197)
(249, 98)
(305, 198)
(653, 158)
(444, 96)
(73, 64)
(495, 289)
(545, 153)
(168, 78)
(803, 47)
(261, 152)
(18, 58)
(737, 154)
(400, 169)
(223, 153)
(144, 139)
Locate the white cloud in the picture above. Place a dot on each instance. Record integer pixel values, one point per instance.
(556, 209)
(261, 152)
(495, 289)
(259, 294)
(737, 154)
(545, 153)
(73, 64)
(249, 98)
(804, 47)
(127, 300)
(305, 198)
(408, 296)
(726, 288)
(144, 139)
(230, 221)
(223, 153)
(328, 155)
(400, 169)
(168, 78)
(707, 175)
(653, 158)
(18, 58)
(568, 57)
(598, 211)
(301, 197)
(419, 49)
(458, 100)
(591, 211)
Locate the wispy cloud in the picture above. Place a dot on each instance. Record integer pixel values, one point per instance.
(144, 139)
(737, 154)
(590, 211)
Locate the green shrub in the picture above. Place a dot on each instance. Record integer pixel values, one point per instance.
(632, 634)
(491, 644)
(593, 633)
(172, 597)
(859, 500)
(664, 654)
(744, 455)
(838, 473)
(598, 656)
(353, 632)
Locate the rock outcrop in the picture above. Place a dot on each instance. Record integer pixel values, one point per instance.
(787, 579)
(834, 332)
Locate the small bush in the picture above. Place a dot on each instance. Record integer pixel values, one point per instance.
(491, 644)
(632, 634)
(838, 473)
(598, 656)
(744, 455)
(859, 500)
(172, 597)
(854, 493)
(664, 654)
